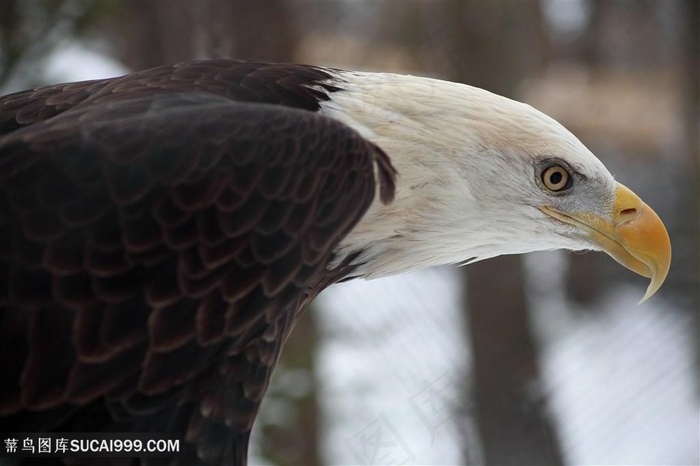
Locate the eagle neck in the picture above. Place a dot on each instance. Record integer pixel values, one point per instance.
(420, 227)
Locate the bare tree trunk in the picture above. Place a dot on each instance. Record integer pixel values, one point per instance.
(158, 33)
(264, 30)
(298, 443)
(584, 278)
(584, 282)
(510, 407)
(690, 202)
(691, 199)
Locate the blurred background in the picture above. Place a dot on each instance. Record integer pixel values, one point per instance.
(543, 359)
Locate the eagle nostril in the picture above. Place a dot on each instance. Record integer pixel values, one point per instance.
(628, 214)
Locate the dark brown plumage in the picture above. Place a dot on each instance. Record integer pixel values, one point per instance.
(159, 235)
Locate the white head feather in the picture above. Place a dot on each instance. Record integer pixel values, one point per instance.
(467, 186)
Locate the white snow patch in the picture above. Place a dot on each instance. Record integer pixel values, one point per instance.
(392, 366)
(72, 61)
(621, 378)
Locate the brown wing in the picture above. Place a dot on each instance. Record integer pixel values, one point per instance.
(155, 252)
(291, 85)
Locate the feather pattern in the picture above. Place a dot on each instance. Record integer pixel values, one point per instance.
(160, 234)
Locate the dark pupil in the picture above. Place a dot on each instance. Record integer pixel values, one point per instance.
(555, 178)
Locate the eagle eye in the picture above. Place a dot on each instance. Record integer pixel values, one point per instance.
(556, 178)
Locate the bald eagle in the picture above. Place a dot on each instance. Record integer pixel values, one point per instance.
(162, 231)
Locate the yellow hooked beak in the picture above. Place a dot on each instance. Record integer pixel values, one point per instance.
(634, 236)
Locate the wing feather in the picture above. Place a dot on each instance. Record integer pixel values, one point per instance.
(162, 245)
(243, 81)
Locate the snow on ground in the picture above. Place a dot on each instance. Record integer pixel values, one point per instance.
(72, 61)
(392, 364)
(620, 383)
(620, 380)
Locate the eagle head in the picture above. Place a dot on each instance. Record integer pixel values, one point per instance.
(480, 175)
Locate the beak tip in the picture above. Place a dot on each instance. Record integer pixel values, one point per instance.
(646, 240)
(657, 280)
(649, 293)
(658, 275)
